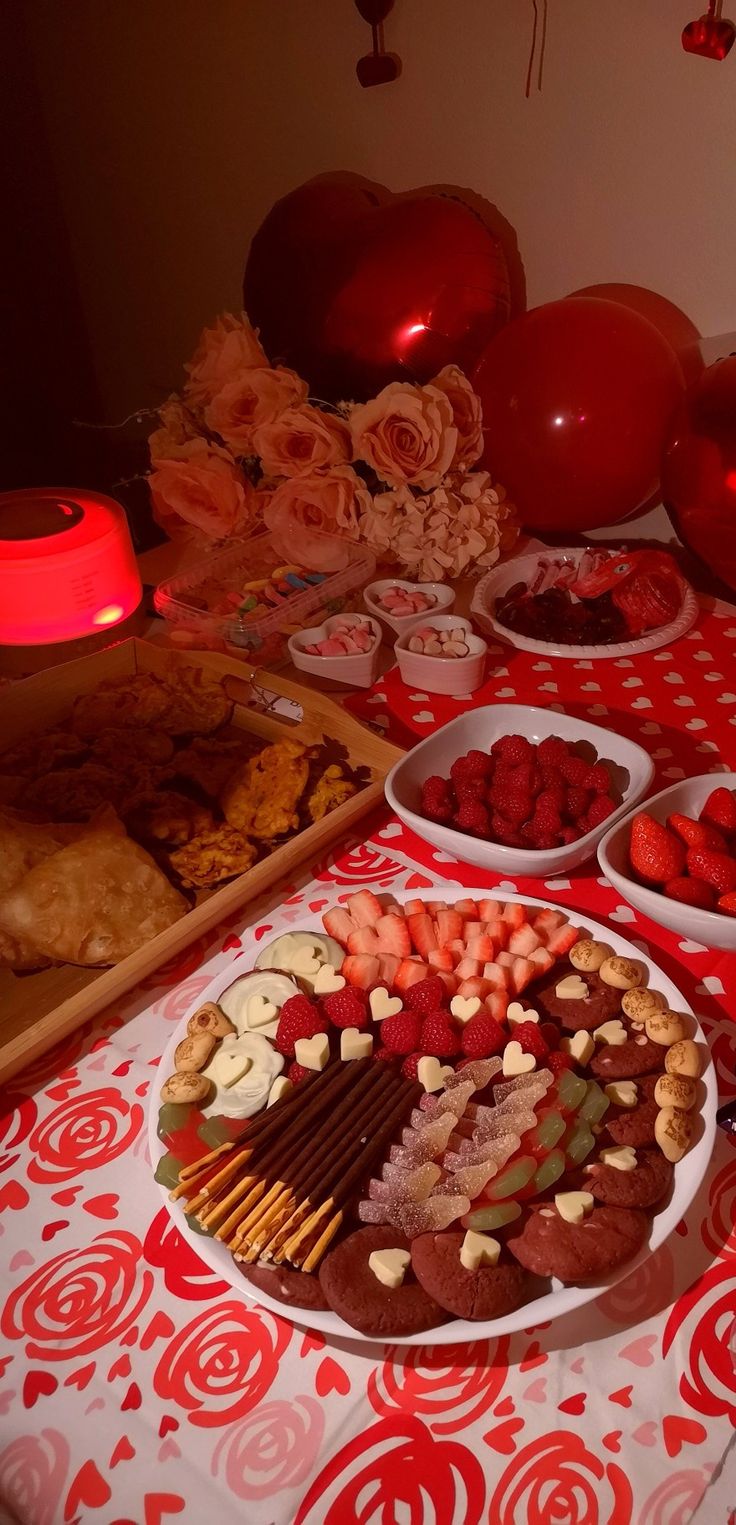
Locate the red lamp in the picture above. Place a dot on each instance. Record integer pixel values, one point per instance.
(711, 36)
(67, 566)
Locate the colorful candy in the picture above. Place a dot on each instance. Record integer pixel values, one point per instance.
(429, 641)
(347, 638)
(401, 602)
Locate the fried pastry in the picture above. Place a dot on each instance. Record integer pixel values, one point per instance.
(166, 816)
(331, 789)
(198, 705)
(213, 856)
(38, 754)
(208, 762)
(261, 798)
(117, 745)
(142, 700)
(23, 845)
(72, 794)
(93, 902)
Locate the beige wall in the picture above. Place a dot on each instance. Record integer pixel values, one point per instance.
(176, 123)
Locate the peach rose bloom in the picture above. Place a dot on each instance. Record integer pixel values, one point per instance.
(205, 489)
(251, 399)
(177, 429)
(467, 415)
(330, 502)
(301, 441)
(223, 352)
(406, 434)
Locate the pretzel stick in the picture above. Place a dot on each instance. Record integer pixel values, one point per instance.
(256, 1129)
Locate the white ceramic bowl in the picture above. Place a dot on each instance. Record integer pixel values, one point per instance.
(443, 596)
(631, 766)
(711, 928)
(443, 675)
(357, 671)
(521, 569)
(549, 1304)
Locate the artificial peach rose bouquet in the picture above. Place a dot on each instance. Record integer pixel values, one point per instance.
(243, 447)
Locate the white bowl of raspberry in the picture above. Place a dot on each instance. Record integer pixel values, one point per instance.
(519, 790)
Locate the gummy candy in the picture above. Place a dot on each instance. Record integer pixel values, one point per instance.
(550, 1170)
(541, 1079)
(513, 1179)
(571, 1090)
(580, 1143)
(495, 1215)
(596, 1104)
(480, 1071)
(548, 1132)
(429, 1138)
(372, 1212)
(405, 1185)
(429, 1217)
(497, 1124)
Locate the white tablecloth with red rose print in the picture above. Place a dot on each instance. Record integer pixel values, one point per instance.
(136, 1389)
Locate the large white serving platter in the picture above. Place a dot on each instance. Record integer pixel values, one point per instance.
(688, 1174)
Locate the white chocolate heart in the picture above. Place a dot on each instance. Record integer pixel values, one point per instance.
(305, 961)
(572, 988)
(389, 1266)
(580, 1047)
(431, 1074)
(515, 1061)
(623, 1157)
(464, 1007)
(327, 979)
(355, 1044)
(479, 1250)
(259, 1012)
(622, 1093)
(314, 1052)
(573, 1205)
(612, 1032)
(515, 1014)
(382, 1004)
(281, 1087)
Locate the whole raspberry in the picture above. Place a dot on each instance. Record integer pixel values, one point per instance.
(574, 770)
(401, 1034)
(426, 996)
(483, 1036)
(410, 1066)
(531, 1040)
(440, 813)
(572, 834)
(439, 1036)
(386, 1055)
(471, 788)
(514, 749)
(298, 1018)
(576, 803)
(517, 808)
(504, 832)
(552, 750)
(599, 810)
(345, 1009)
(598, 778)
(553, 797)
(473, 816)
(474, 764)
(557, 1062)
(436, 787)
(297, 1072)
(551, 775)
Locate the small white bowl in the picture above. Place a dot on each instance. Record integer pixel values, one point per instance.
(356, 671)
(443, 675)
(632, 769)
(711, 928)
(444, 600)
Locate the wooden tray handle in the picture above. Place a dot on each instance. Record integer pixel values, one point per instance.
(313, 704)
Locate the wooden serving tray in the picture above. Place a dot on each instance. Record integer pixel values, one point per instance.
(38, 1010)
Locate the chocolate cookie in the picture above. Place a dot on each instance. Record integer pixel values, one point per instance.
(627, 1061)
(487, 1293)
(635, 1125)
(298, 1289)
(601, 1003)
(361, 1299)
(648, 1183)
(574, 1252)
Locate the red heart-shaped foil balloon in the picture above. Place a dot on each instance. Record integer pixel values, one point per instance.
(355, 287)
(709, 36)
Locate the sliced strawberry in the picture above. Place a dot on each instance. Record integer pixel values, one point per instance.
(499, 976)
(389, 965)
(393, 936)
(364, 940)
(410, 970)
(468, 967)
(505, 959)
(481, 948)
(440, 958)
(457, 949)
(365, 908)
(727, 904)
(548, 921)
(489, 910)
(422, 933)
(497, 1003)
(691, 892)
(720, 809)
(656, 854)
(717, 869)
(542, 960)
(514, 913)
(474, 929)
(339, 924)
(501, 933)
(522, 972)
(697, 833)
(562, 940)
(474, 987)
(466, 908)
(449, 927)
(361, 970)
(449, 980)
(414, 908)
(524, 940)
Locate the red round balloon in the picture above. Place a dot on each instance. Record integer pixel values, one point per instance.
(699, 470)
(354, 287)
(578, 397)
(672, 322)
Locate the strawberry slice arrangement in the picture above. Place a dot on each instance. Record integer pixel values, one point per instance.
(521, 794)
(690, 860)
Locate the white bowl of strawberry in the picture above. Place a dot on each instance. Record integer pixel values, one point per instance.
(676, 861)
(518, 790)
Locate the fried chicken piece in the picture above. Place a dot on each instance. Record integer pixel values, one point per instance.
(261, 798)
(140, 701)
(38, 754)
(166, 816)
(208, 762)
(117, 746)
(199, 704)
(331, 790)
(213, 856)
(72, 794)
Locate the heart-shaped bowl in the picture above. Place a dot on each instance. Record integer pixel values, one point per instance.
(711, 928)
(631, 767)
(356, 671)
(444, 600)
(443, 675)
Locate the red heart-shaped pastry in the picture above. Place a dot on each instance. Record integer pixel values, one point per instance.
(355, 287)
